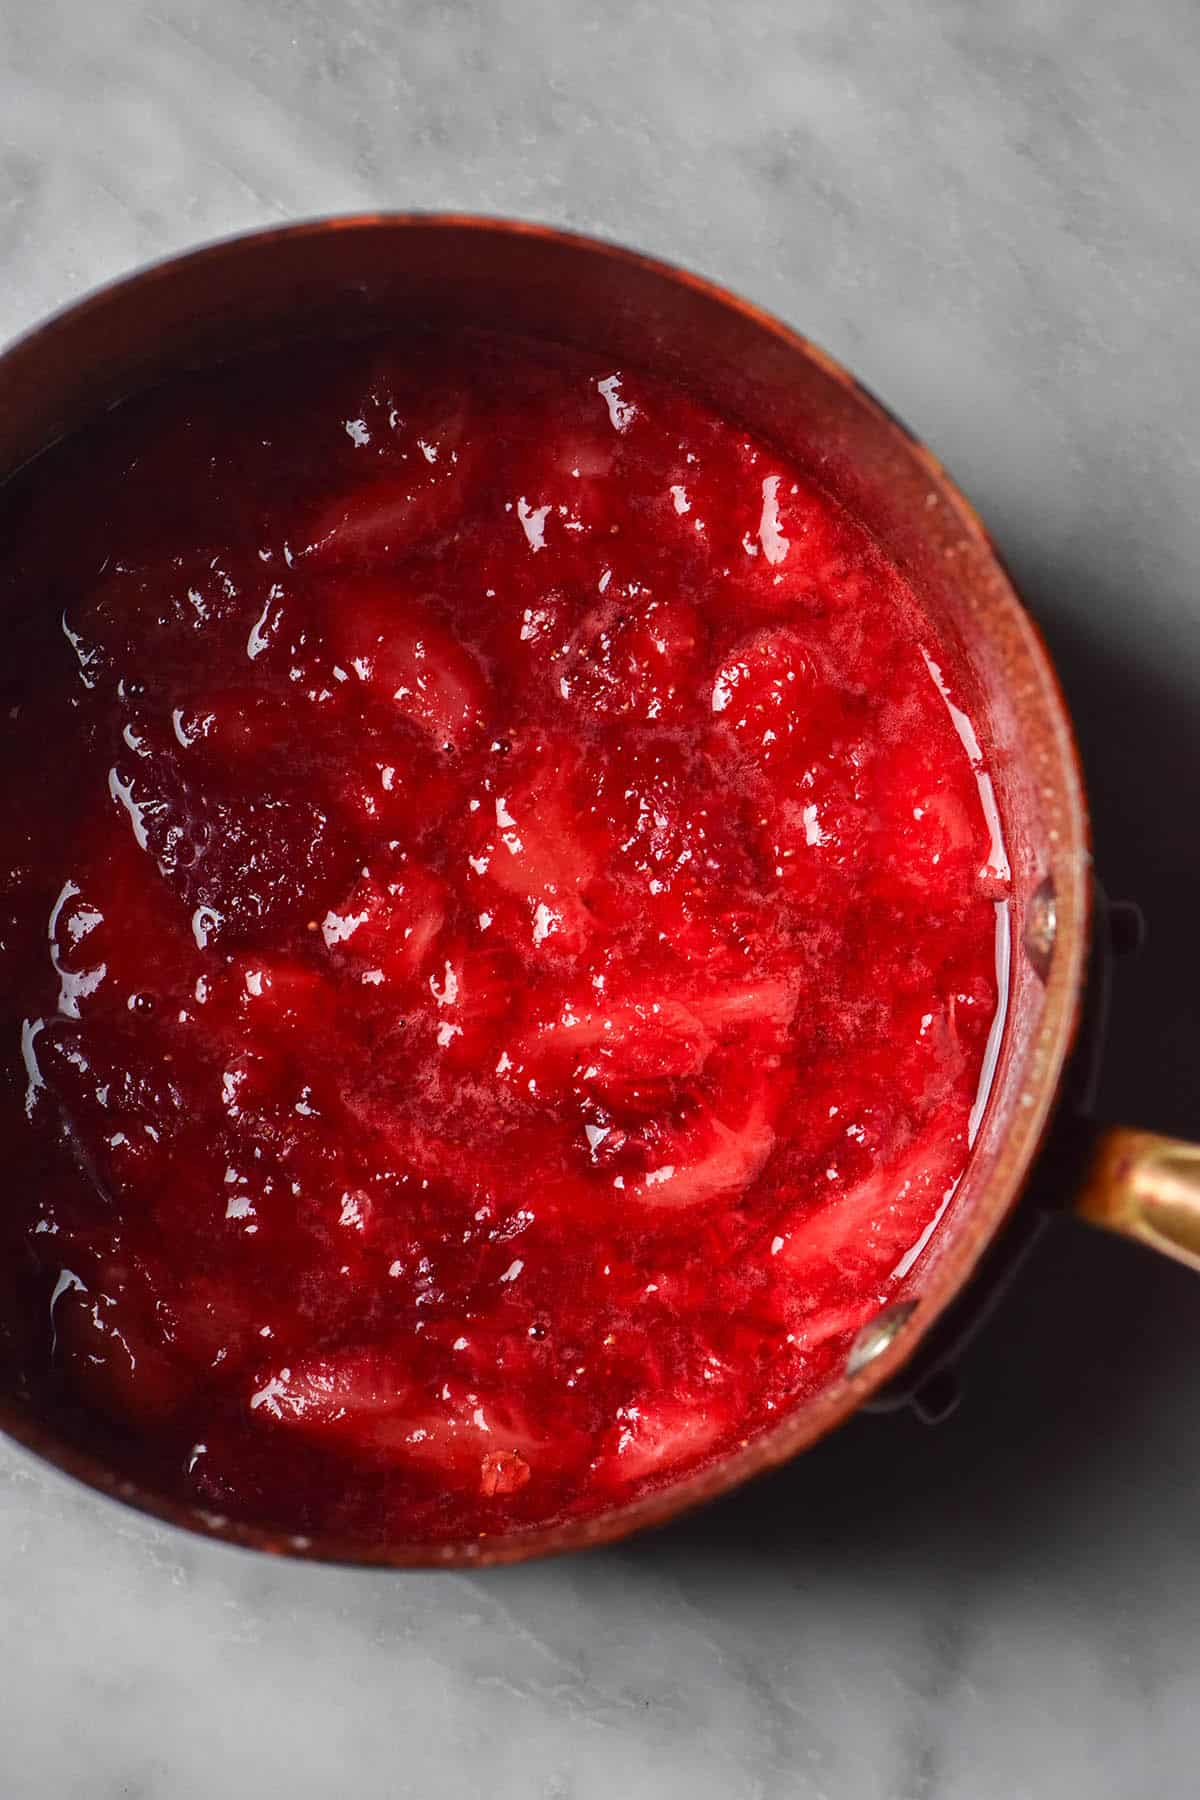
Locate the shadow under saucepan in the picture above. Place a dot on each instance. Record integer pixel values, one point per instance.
(1135, 713)
(1075, 1427)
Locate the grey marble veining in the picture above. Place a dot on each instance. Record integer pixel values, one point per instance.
(991, 213)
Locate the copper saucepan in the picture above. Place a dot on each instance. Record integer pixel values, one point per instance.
(388, 271)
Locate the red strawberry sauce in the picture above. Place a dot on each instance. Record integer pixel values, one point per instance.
(500, 911)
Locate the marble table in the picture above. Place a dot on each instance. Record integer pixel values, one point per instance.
(990, 212)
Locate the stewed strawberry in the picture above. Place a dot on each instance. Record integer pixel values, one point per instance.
(499, 897)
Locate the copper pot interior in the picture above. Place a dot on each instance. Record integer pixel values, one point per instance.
(403, 274)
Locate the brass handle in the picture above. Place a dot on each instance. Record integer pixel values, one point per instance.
(1145, 1187)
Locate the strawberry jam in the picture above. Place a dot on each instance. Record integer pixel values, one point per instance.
(500, 910)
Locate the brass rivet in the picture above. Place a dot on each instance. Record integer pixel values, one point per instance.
(878, 1335)
(1041, 928)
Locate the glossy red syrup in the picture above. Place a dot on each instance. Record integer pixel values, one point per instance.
(499, 919)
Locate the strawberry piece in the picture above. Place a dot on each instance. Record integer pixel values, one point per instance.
(368, 1400)
(625, 1047)
(472, 994)
(120, 946)
(241, 863)
(542, 841)
(657, 1438)
(385, 927)
(384, 518)
(714, 1155)
(250, 878)
(637, 1040)
(786, 549)
(873, 1222)
(125, 1111)
(215, 1324)
(634, 656)
(401, 652)
(394, 787)
(537, 638)
(682, 849)
(562, 497)
(236, 725)
(542, 826)
(928, 834)
(762, 692)
(421, 462)
(815, 827)
(270, 1002)
(166, 618)
(766, 1007)
(106, 1344)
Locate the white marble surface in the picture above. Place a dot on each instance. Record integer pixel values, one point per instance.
(990, 211)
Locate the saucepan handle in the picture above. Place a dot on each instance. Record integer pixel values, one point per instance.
(1145, 1187)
